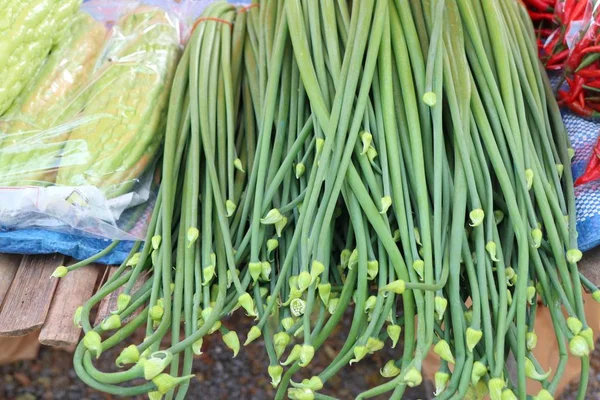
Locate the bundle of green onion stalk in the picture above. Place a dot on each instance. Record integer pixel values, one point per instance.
(400, 160)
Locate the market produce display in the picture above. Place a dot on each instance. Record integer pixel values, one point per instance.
(402, 161)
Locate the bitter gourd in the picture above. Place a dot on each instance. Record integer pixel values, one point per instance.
(33, 131)
(128, 104)
(28, 30)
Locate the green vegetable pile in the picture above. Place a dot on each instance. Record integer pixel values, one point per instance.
(404, 161)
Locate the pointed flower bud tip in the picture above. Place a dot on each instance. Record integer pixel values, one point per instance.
(272, 244)
(386, 203)
(441, 380)
(294, 355)
(473, 337)
(324, 292)
(230, 207)
(156, 364)
(440, 304)
(398, 287)
(529, 178)
(197, 346)
(366, 139)
(374, 344)
(299, 170)
(129, 355)
(495, 386)
(279, 225)
(476, 217)
(111, 322)
(192, 235)
(77, 317)
(307, 352)
(442, 349)
(247, 303)
(255, 269)
(275, 372)
(359, 353)
(232, 341)
(575, 325)
(418, 266)
(413, 377)
(393, 332)
(390, 370)
(156, 239)
(479, 370)
(272, 217)
(536, 238)
(253, 334)
(491, 249)
(60, 272)
(304, 280)
(237, 164)
(574, 255)
(93, 342)
(165, 382)
(543, 395)
(372, 269)
(530, 340)
(531, 372)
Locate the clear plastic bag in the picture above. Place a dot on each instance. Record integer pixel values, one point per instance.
(78, 147)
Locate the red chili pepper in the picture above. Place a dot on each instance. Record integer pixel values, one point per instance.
(587, 73)
(540, 5)
(582, 110)
(591, 49)
(592, 171)
(537, 16)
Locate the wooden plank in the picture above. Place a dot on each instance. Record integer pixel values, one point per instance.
(110, 302)
(19, 348)
(30, 295)
(73, 290)
(9, 263)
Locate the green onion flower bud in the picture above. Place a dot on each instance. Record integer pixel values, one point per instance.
(588, 335)
(386, 202)
(579, 346)
(232, 341)
(543, 395)
(495, 386)
(253, 334)
(441, 380)
(508, 394)
(570, 153)
(287, 323)
(390, 370)
(197, 347)
(531, 373)
(237, 164)
(297, 307)
(393, 332)
(165, 382)
(307, 352)
(156, 239)
(439, 304)
(536, 238)
(371, 154)
(111, 322)
(481, 390)
(304, 280)
(374, 344)
(255, 269)
(560, 169)
(300, 169)
(275, 372)
(418, 266)
(332, 306)
(272, 217)
(366, 139)
(398, 287)
(155, 395)
(320, 143)
(429, 98)
(596, 296)
(353, 260)
(372, 269)
(156, 363)
(192, 236)
(359, 353)
(508, 297)
(77, 317)
(396, 236)
(314, 383)
(93, 342)
(265, 272)
(134, 259)
(442, 349)
(129, 355)
(316, 270)
(156, 312)
(491, 249)
(280, 342)
(510, 274)
(60, 272)
(370, 303)
(230, 207)
(272, 244)
(473, 337)
(247, 303)
(530, 340)
(529, 178)
(575, 325)
(531, 294)
(293, 356)
(279, 225)
(476, 217)
(574, 255)
(498, 216)
(345, 257)
(324, 292)
(300, 394)
(413, 377)
(208, 273)
(479, 370)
